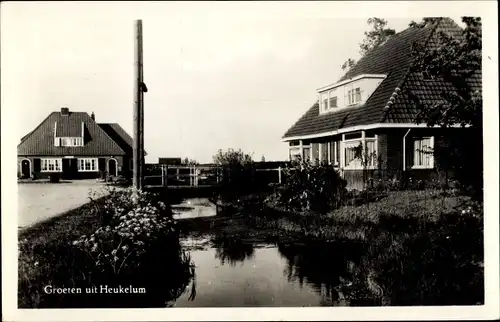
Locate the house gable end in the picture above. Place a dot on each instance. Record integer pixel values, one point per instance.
(41, 140)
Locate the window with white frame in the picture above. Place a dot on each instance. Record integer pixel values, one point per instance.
(337, 153)
(423, 149)
(325, 104)
(323, 153)
(334, 153)
(333, 101)
(354, 96)
(323, 101)
(87, 164)
(51, 165)
(294, 153)
(306, 153)
(370, 154)
(357, 155)
(71, 141)
(351, 159)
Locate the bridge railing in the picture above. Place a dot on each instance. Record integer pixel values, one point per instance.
(199, 175)
(182, 176)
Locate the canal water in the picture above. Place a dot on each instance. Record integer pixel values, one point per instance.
(232, 273)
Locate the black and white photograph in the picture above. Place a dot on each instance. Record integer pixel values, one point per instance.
(293, 156)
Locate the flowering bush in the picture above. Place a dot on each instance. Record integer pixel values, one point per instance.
(134, 221)
(126, 237)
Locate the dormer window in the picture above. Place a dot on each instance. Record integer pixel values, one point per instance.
(348, 93)
(354, 96)
(68, 141)
(333, 102)
(71, 141)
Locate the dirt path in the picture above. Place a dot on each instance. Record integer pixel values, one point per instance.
(41, 201)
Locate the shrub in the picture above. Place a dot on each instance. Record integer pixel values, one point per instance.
(137, 228)
(237, 169)
(308, 187)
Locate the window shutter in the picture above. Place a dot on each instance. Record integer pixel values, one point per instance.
(57, 142)
(102, 164)
(37, 165)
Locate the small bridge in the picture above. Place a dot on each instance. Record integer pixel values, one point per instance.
(180, 177)
(191, 180)
(183, 181)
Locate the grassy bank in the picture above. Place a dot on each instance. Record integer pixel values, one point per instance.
(106, 243)
(414, 247)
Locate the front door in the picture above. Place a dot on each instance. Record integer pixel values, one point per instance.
(26, 168)
(69, 168)
(112, 167)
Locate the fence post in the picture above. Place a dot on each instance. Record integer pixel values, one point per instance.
(162, 176)
(279, 174)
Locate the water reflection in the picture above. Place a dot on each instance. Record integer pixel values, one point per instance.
(327, 267)
(232, 251)
(290, 275)
(193, 208)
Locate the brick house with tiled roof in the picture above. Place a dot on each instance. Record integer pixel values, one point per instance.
(74, 145)
(370, 106)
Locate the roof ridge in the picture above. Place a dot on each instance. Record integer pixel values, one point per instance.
(394, 94)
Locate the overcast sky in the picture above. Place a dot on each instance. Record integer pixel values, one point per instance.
(220, 75)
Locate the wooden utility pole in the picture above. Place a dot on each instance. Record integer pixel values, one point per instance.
(138, 110)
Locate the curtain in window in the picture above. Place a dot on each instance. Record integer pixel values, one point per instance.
(422, 152)
(350, 152)
(370, 153)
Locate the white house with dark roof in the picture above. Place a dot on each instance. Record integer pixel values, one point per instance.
(370, 107)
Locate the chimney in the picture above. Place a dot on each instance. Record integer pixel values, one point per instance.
(92, 116)
(64, 111)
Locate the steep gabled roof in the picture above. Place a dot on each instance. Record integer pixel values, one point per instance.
(41, 140)
(120, 136)
(392, 58)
